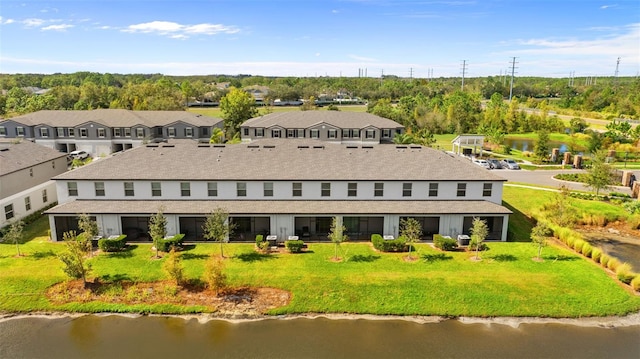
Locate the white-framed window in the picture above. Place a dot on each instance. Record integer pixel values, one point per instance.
(44, 132)
(127, 132)
(101, 132)
(71, 132)
(332, 133)
(83, 132)
(325, 189)
(462, 190)
(268, 189)
(20, 131)
(406, 189)
(245, 131)
(241, 189)
(259, 132)
(386, 133)
(487, 189)
(128, 189)
(433, 190)
(300, 133)
(3, 131)
(185, 189)
(188, 132)
(171, 131)
(8, 211)
(60, 131)
(212, 189)
(45, 198)
(352, 189)
(72, 189)
(314, 133)
(370, 134)
(99, 187)
(117, 132)
(275, 133)
(156, 189)
(378, 189)
(140, 132)
(291, 133)
(296, 189)
(27, 203)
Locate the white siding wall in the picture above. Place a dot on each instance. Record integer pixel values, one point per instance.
(35, 196)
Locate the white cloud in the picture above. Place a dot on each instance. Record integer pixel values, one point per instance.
(33, 22)
(9, 21)
(604, 7)
(62, 27)
(179, 31)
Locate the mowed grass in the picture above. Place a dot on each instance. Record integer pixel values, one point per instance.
(507, 282)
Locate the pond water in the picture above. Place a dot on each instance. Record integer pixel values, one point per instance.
(624, 247)
(113, 336)
(528, 145)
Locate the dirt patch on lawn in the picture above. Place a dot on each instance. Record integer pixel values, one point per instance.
(235, 302)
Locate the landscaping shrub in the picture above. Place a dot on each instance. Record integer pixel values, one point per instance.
(261, 244)
(389, 245)
(635, 283)
(596, 253)
(604, 260)
(587, 249)
(613, 264)
(166, 244)
(624, 273)
(634, 221)
(483, 247)
(444, 243)
(113, 244)
(294, 246)
(577, 245)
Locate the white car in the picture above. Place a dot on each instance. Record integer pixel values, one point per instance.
(482, 163)
(78, 155)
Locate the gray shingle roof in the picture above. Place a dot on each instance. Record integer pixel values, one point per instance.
(25, 154)
(279, 159)
(281, 207)
(305, 119)
(113, 118)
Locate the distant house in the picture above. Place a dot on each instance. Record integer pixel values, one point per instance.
(332, 126)
(26, 170)
(104, 131)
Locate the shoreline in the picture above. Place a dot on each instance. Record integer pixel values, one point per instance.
(629, 320)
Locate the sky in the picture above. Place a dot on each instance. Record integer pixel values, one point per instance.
(306, 38)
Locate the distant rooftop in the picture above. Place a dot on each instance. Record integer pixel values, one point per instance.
(15, 156)
(305, 119)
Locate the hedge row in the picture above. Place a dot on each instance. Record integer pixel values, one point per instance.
(444, 243)
(113, 244)
(165, 244)
(389, 245)
(294, 246)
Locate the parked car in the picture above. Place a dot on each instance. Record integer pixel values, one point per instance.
(494, 163)
(78, 155)
(510, 164)
(482, 163)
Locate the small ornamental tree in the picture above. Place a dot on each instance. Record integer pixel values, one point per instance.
(173, 266)
(411, 230)
(14, 235)
(217, 227)
(214, 274)
(90, 229)
(539, 235)
(599, 176)
(157, 228)
(75, 265)
(336, 235)
(479, 232)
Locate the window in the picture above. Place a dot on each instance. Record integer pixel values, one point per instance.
(83, 132)
(8, 211)
(300, 133)
(291, 133)
(128, 189)
(101, 132)
(60, 131)
(44, 132)
(20, 131)
(204, 131)
(378, 189)
(325, 189)
(245, 131)
(241, 189)
(406, 189)
(99, 186)
(212, 189)
(259, 132)
(275, 133)
(296, 189)
(462, 189)
(3, 131)
(117, 132)
(433, 190)
(350, 133)
(127, 132)
(333, 133)
(315, 133)
(386, 133)
(72, 188)
(188, 132)
(369, 134)
(71, 132)
(27, 203)
(486, 189)
(45, 198)
(156, 189)
(185, 189)
(30, 172)
(268, 189)
(140, 132)
(352, 189)
(172, 132)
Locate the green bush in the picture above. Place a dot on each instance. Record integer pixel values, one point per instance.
(635, 283)
(604, 260)
(113, 244)
(577, 245)
(261, 244)
(613, 264)
(444, 243)
(294, 246)
(596, 253)
(483, 246)
(624, 273)
(259, 238)
(166, 244)
(587, 249)
(389, 245)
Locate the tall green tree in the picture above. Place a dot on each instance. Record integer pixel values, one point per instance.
(600, 175)
(411, 230)
(14, 235)
(541, 147)
(479, 232)
(218, 228)
(237, 106)
(157, 228)
(336, 235)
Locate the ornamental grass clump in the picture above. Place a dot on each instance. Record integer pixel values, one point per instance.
(596, 254)
(604, 260)
(587, 249)
(635, 283)
(613, 264)
(624, 273)
(577, 245)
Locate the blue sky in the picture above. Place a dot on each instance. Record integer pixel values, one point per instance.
(321, 38)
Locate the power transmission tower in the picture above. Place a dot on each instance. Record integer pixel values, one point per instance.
(617, 67)
(410, 73)
(464, 71)
(513, 71)
(572, 75)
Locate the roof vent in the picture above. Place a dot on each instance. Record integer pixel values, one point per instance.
(253, 146)
(268, 146)
(319, 147)
(401, 147)
(204, 145)
(367, 147)
(416, 147)
(352, 146)
(219, 146)
(152, 145)
(171, 146)
(303, 146)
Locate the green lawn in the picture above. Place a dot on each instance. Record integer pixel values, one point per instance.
(505, 283)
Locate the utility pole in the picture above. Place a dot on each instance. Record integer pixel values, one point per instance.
(464, 70)
(617, 67)
(513, 71)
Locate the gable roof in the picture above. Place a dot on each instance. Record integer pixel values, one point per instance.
(113, 118)
(282, 159)
(305, 119)
(17, 156)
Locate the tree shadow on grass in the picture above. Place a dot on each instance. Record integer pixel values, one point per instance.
(504, 258)
(112, 278)
(436, 257)
(560, 258)
(362, 258)
(187, 247)
(187, 256)
(253, 257)
(43, 255)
